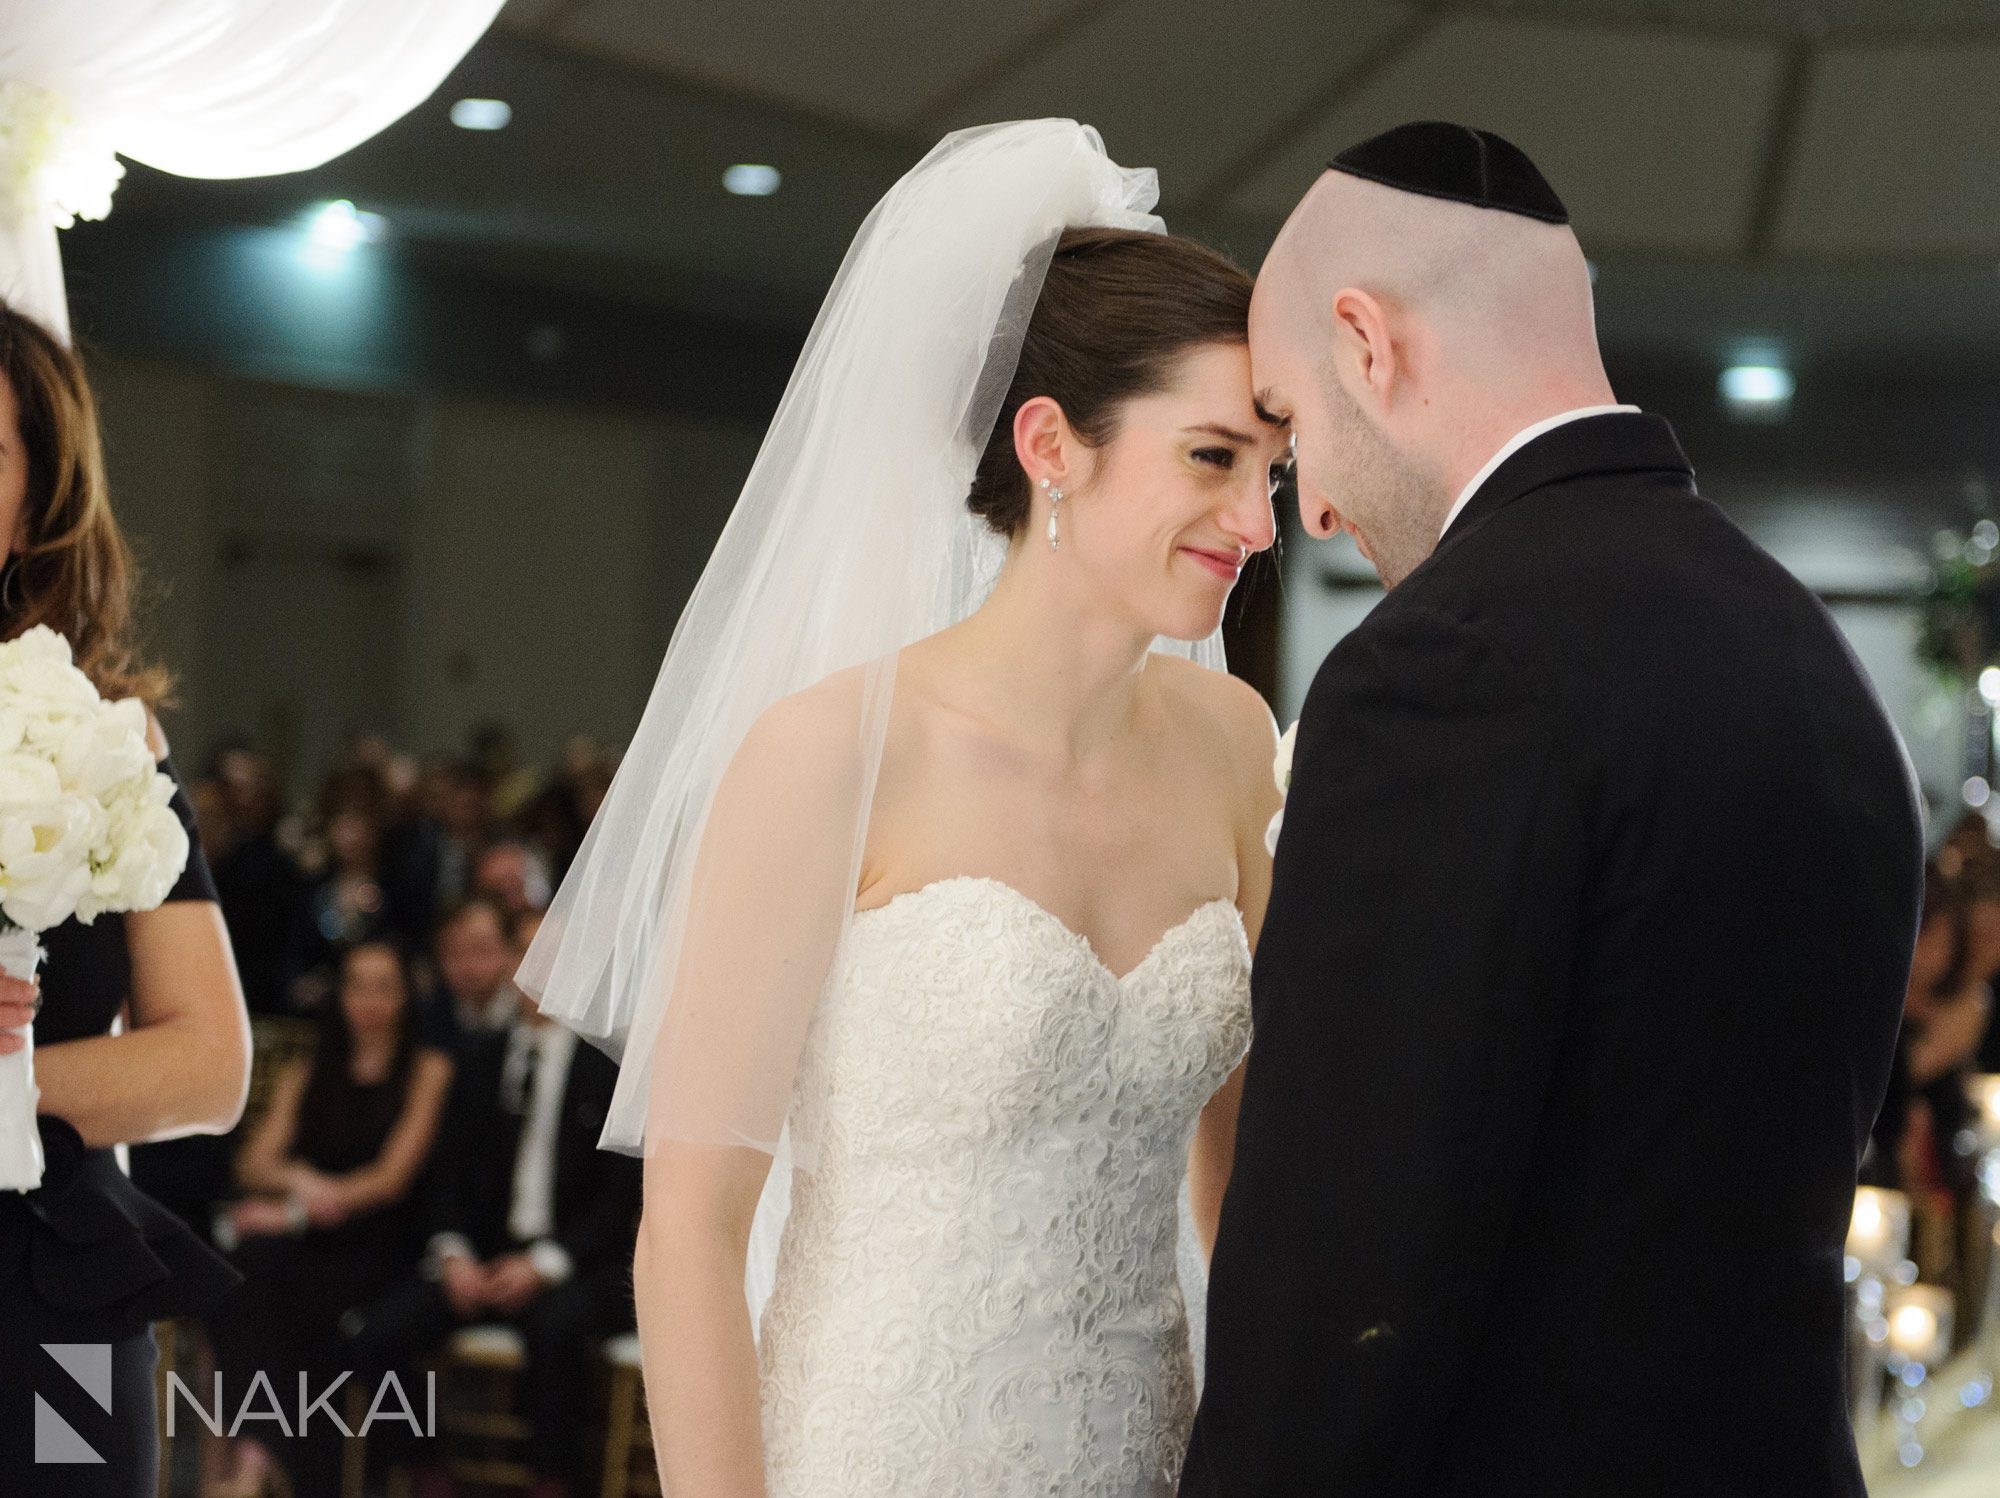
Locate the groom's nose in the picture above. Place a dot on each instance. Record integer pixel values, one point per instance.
(1318, 516)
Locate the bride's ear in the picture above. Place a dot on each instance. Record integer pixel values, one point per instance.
(1363, 352)
(1041, 439)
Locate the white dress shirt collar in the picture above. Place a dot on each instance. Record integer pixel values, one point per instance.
(1514, 444)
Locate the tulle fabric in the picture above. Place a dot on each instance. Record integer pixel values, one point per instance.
(210, 88)
(707, 906)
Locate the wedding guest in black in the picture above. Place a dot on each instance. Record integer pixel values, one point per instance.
(412, 851)
(87, 1259)
(1983, 921)
(1939, 971)
(559, 815)
(475, 962)
(332, 1220)
(459, 799)
(262, 890)
(1943, 1024)
(346, 902)
(533, 1225)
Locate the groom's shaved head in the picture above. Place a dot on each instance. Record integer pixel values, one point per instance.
(1494, 286)
(1408, 335)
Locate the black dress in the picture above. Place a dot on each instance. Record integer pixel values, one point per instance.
(89, 1260)
(283, 1320)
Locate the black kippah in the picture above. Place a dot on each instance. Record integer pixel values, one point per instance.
(1458, 163)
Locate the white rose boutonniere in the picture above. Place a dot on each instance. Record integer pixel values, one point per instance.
(1281, 771)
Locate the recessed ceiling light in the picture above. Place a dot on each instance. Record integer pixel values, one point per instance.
(482, 114)
(747, 180)
(341, 226)
(1757, 391)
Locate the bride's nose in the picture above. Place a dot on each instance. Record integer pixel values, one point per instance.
(1251, 520)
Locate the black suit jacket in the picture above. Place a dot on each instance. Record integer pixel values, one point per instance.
(596, 1196)
(1574, 1004)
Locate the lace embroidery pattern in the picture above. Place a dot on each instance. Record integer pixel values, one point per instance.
(977, 1290)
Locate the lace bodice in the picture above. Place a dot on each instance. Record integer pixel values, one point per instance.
(977, 1291)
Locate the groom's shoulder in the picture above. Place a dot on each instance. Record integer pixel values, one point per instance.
(1600, 553)
(1564, 580)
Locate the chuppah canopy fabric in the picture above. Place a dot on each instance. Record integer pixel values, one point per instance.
(200, 88)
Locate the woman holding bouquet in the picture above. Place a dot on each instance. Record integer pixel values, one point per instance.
(87, 1261)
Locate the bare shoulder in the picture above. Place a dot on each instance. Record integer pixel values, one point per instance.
(808, 741)
(1227, 704)
(156, 736)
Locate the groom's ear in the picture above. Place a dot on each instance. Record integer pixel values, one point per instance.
(1363, 351)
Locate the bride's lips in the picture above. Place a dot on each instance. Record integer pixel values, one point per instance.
(1224, 564)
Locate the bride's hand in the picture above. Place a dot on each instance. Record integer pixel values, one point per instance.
(19, 999)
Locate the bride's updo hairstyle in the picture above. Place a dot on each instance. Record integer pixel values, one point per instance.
(1117, 311)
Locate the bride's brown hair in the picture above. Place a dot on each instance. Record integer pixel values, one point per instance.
(76, 573)
(1116, 311)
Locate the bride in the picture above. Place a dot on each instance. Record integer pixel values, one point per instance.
(925, 894)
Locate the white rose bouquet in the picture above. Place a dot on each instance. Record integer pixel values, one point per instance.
(85, 828)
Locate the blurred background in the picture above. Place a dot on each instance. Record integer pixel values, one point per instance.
(424, 450)
(463, 411)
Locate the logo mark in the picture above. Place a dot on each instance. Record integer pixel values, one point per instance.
(56, 1440)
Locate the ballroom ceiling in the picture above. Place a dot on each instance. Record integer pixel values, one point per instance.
(1830, 168)
(1757, 128)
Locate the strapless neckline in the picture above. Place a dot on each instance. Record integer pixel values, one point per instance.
(1082, 943)
(981, 1289)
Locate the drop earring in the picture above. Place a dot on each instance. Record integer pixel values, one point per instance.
(1055, 501)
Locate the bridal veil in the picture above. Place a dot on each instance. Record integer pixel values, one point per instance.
(851, 540)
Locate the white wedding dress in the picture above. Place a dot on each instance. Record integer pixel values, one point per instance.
(977, 1290)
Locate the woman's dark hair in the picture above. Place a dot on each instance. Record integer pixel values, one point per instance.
(1116, 312)
(77, 574)
(328, 1078)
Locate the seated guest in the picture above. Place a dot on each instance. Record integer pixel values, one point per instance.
(1938, 967)
(263, 891)
(332, 1221)
(513, 876)
(459, 800)
(475, 964)
(1945, 1031)
(533, 1225)
(344, 904)
(1983, 924)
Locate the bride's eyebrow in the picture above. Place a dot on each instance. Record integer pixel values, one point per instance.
(1217, 429)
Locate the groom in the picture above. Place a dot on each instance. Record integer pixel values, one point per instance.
(1593, 910)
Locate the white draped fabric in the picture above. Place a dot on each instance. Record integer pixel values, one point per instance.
(201, 88)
